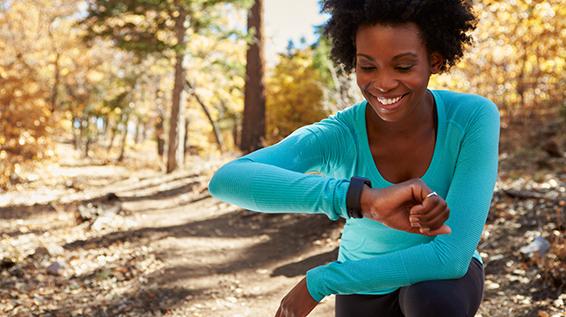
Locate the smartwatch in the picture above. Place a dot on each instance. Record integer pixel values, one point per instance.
(354, 195)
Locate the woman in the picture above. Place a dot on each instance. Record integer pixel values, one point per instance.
(427, 161)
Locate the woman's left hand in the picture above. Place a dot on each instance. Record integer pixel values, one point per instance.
(298, 302)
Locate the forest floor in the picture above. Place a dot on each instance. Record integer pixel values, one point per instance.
(84, 239)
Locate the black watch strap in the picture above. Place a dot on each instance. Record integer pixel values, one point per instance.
(354, 194)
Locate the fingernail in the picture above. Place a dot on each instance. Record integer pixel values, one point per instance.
(413, 219)
(415, 224)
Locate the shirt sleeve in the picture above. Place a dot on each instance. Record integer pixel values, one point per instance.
(446, 256)
(273, 179)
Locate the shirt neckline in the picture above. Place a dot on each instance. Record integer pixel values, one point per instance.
(366, 152)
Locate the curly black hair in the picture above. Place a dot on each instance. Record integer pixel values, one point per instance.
(444, 25)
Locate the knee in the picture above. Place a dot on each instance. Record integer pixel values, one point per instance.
(423, 301)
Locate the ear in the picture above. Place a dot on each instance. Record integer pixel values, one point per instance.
(436, 62)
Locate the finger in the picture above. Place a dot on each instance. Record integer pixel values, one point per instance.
(413, 213)
(437, 221)
(419, 189)
(442, 230)
(425, 207)
(429, 214)
(430, 203)
(414, 222)
(429, 217)
(432, 224)
(416, 210)
(433, 220)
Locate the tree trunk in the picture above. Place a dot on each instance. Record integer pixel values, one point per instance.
(176, 133)
(85, 125)
(158, 128)
(124, 139)
(138, 130)
(112, 136)
(57, 72)
(235, 131)
(160, 144)
(159, 131)
(521, 84)
(186, 138)
(215, 129)
(143, 135)
(57, 80)
(253, 125)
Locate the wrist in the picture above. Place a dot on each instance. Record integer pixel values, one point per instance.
(366, 201)
(353, 196)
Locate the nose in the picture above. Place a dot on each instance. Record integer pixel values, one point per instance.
(384, 82)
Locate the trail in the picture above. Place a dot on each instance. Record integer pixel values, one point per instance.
(172, 250)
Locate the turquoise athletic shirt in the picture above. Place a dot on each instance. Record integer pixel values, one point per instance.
(373, 258)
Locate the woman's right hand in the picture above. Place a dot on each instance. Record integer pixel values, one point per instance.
(405, 206)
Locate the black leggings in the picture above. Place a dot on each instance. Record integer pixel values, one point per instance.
(439, 298)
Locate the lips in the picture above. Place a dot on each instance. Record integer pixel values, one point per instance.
(390, 103)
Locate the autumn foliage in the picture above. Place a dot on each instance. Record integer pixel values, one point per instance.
(109, 93)
(295, 95)
(517, 59)
(24, 119)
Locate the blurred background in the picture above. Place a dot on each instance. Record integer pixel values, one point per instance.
(114, 114)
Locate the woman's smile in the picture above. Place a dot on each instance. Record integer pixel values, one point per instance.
(389, 103)
(385, 104)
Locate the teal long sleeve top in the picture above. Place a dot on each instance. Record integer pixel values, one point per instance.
(373, 258)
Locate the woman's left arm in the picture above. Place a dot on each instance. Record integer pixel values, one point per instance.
(445, 257)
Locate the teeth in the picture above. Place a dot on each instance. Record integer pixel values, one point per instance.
(388, 101)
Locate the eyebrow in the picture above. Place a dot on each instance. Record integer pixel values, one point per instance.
(411, 54)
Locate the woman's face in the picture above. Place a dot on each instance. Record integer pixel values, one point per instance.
(393, 68)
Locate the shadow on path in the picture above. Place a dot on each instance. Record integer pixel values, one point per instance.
(283, 236)
(161, 195)
(300, 267)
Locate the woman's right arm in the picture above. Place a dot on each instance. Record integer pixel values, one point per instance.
(273, 179)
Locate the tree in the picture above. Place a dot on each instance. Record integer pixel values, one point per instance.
(253, 126)
(175, 152)
(517, 59)
(155, 28)
(24, 118)
(295, 95)
(216, 74)
(340, 90)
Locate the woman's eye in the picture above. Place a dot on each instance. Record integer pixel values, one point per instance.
(367, 68)
(404, 69)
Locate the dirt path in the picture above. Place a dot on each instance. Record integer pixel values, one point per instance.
(173, 250)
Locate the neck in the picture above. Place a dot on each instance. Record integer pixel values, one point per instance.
(422, 117)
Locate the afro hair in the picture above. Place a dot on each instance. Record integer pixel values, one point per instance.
(444, 25)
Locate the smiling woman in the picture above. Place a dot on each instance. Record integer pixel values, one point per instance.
(409, 244)
(394, 78)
